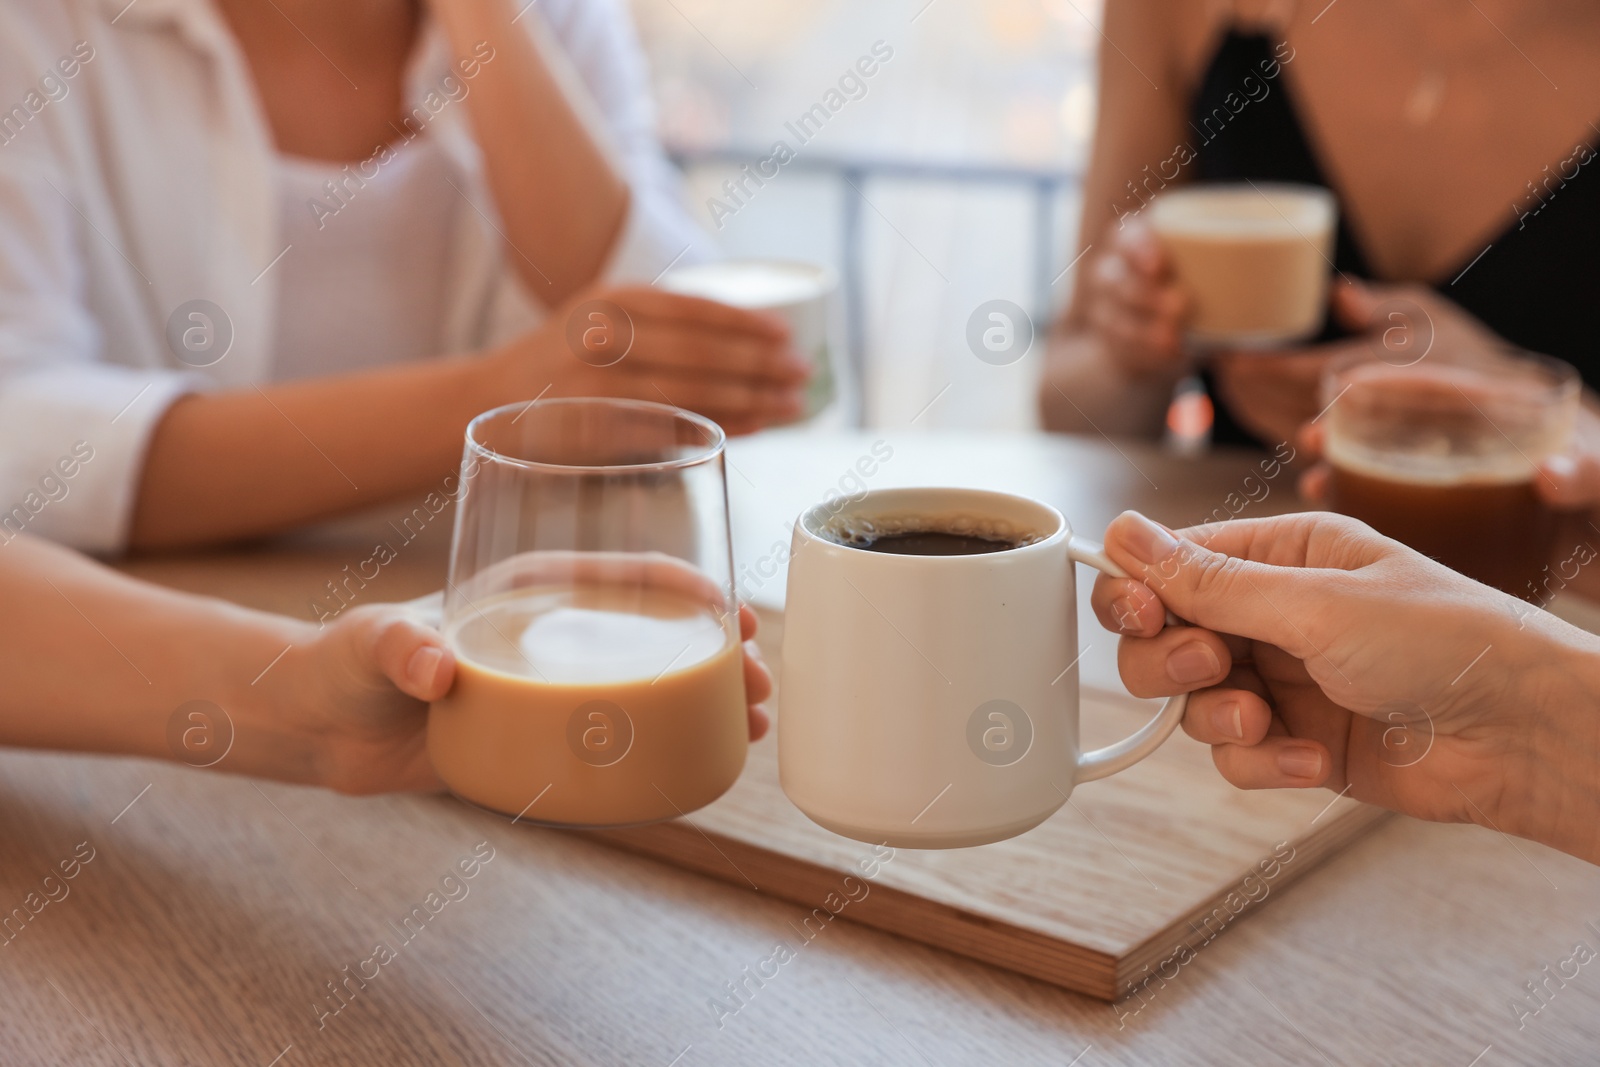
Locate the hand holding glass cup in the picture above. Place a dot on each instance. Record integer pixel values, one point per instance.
(600, 675)
(1443, 456)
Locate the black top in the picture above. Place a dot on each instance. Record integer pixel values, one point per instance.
(1538, 285)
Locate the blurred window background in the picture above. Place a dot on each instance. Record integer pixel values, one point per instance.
(950, 179)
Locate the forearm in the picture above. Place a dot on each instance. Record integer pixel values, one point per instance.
(1082, 392)
(101, 663)
(260, 460)
(561, 198)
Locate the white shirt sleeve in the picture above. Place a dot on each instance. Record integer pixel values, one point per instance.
(62, 406)
(599, 38)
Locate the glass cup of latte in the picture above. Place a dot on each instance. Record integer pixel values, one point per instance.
(1444, 457)
(600, 675)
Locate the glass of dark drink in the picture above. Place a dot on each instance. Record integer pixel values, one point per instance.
(1443, 457)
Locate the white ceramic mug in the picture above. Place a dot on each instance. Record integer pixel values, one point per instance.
(932, 701)
(805, 295)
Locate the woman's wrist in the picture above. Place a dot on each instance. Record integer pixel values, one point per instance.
(1552, 790)
(518, 370)
(1158, 377)
(511, 372)
(248, 727)
(1087, 390)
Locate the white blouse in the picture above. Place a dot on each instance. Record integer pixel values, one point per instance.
(363, 286)
(147, 249)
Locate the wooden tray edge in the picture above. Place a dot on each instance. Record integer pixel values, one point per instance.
(885, 908)
(1310, 853)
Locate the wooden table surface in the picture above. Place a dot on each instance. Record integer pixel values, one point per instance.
(216, 912)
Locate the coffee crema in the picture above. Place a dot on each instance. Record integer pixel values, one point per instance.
(921, 535)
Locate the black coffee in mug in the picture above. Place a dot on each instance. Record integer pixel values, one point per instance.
(934, 543)
(925, 536)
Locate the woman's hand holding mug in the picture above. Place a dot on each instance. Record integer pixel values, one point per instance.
(733, 366)
(930, 688)
(1324, 654)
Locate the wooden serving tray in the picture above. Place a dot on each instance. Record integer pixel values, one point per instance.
(1122, 885)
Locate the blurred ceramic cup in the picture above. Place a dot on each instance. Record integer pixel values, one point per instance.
(1255, 259)
(930, 687)
(803, 294)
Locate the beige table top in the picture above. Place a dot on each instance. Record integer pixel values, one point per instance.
(216, 911)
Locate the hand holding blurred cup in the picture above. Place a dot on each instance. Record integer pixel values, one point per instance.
(802, 295)
(732, 365)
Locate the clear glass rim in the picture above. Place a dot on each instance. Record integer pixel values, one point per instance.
(1562, 380)
(716, 438)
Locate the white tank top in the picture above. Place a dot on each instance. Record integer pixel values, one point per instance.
(363, 282)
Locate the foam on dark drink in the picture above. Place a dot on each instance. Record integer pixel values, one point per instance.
(1444, 458)
(929, 535)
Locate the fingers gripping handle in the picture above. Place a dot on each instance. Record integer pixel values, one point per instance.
(1130, 750)
(1093, 554)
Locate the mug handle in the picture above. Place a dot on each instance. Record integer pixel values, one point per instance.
(1103, 762)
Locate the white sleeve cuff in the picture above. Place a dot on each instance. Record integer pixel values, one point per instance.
(72, 449)
(654, 236)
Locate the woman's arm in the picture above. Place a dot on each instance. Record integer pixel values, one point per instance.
(1114, 358)
(260, 460)
(255, 461)
(102, 663)
(561, 197)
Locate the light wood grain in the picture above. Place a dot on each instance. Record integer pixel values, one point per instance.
(1095, 899)
(204, 929)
